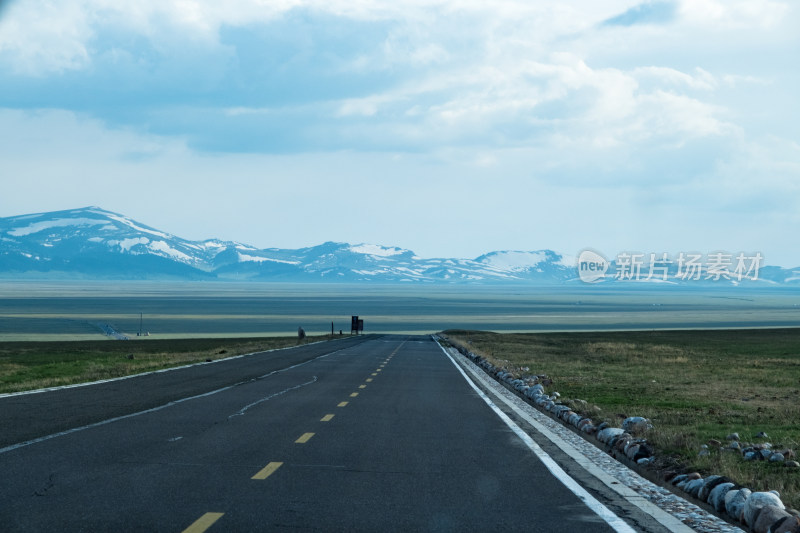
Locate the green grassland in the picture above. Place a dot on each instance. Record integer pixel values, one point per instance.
(694, 386)
(36, 365)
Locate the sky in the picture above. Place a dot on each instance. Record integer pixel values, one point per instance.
(451, 128)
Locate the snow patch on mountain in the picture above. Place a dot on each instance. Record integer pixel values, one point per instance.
(163, 247)
(376, 250)
(130, 223)
(258, 259)
(515, 261)
(127, 244)
(38, 227)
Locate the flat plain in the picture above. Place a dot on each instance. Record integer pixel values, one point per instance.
(80, 310)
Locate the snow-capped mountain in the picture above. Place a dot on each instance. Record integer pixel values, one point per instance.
(92, 243)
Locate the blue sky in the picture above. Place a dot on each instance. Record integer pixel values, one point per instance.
(451, 128)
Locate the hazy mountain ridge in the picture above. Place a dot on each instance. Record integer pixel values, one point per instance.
(94, 243)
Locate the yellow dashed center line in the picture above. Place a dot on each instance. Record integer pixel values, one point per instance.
(267, 471)
(305, 437)
(203, 523)
(208, 519)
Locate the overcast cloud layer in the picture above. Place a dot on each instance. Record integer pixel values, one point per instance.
(450, 128)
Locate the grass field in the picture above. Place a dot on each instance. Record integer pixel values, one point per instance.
(36, 365)
(693, 385)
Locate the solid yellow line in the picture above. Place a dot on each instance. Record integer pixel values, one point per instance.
(267, 470)
(327, 418)
(203, 523)
(353, 395)
(304, 438)
(342, 404)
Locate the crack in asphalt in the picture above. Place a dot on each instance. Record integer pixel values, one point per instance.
(50, 484)
(244, 409)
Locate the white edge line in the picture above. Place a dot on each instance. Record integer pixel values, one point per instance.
(598, 508)
(160, 407)
(660, 515)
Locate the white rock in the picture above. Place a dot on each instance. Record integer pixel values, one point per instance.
(636, 424)
(607, 434)
(734, 502)
(755, 502)
(717, 497)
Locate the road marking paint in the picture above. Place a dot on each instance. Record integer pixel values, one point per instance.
(374, 373)
(203, 523)
(369, 380)
(379, 370)
(305, 437)
(353, 395)
(267, 471)
(342, 404)
(617, 523)
(362, 386)
(326, 418)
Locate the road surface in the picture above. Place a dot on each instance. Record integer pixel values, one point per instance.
(369, 434)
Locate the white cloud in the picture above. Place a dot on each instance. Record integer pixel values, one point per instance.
(495, 107)
(735, 14)
(701, 79)
(45, 37)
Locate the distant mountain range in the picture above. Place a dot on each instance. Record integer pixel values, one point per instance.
(92, 243)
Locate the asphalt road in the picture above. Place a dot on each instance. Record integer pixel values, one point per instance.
(380, 435)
